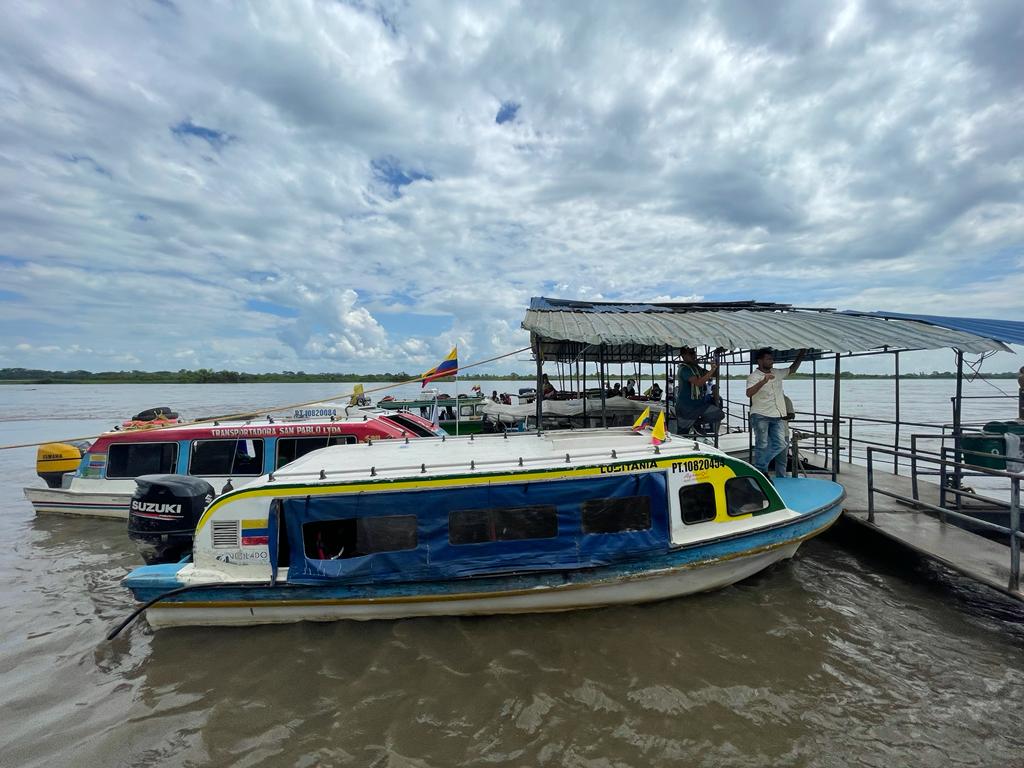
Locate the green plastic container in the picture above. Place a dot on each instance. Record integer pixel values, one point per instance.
(986, 443)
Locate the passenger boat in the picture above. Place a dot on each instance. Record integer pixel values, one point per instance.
(456, 416)
(506, 523)
(99, 481)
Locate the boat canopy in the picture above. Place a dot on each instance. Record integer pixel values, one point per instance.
(561, 329)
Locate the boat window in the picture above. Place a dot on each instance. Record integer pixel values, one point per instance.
(134, 459)
(291, 448)
(466, 410)
(409, 424)
(697, 503)
(630, 513)
(476, 526)
(743, 496)
(359, 536)
(226, 457)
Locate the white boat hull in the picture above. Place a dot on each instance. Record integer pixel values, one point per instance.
(651, 587)
(62, 501)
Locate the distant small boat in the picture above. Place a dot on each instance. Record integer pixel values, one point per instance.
(493, 524)
(456, 416)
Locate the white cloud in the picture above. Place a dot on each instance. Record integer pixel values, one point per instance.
(263, 187)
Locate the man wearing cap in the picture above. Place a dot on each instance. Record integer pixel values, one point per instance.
(768, 411)
(691, 401)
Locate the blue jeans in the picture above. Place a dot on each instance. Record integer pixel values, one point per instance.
(769, 443)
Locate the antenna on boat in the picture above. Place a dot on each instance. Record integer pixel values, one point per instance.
(227, 486)
(520, 461)
(423, 468)
(614, 456)
(373, 471)
(567, 458)
(323, 475)
(472, 464)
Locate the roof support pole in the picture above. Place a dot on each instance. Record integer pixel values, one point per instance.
(582, 384)
(538, 397)
(668, 374)
(814, 400)
(958, 402)
(836, 400)
(716, 389)
(604, 385)
(896, 429)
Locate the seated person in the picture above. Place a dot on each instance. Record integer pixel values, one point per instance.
(692, 403)
(653, 392)
(616, 391)
(548, 389)
(629, 390)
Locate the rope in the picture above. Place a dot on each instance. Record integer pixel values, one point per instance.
(251, 413)
(976, 367)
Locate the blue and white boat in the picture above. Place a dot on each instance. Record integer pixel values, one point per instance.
(492, 524)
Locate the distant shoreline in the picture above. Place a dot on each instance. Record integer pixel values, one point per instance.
(207, 376)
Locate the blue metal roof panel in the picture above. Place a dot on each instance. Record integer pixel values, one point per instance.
(1006, 331)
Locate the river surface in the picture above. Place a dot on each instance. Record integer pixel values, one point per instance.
(835, 658)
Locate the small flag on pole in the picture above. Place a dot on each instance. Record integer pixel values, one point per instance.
(644, 421)
(658, 435)
(447, 367)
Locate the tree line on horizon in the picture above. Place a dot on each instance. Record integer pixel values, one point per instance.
(210, 376)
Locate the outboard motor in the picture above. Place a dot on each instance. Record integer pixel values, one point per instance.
(163, 514)
(54, 460)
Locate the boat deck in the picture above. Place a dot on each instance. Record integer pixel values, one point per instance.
(974, 556)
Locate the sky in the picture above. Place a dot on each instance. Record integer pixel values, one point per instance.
(359, 186)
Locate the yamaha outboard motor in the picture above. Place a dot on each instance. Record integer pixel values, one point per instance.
(163, 514)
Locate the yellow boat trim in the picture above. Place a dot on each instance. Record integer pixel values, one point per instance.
(439, 482)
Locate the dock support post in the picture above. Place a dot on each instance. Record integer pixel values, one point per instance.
(538, 397)
(604, 390)
(957, 427)
(896, 429)
(835, 421)
(1014, 530)
(814, 400)
(871, 485)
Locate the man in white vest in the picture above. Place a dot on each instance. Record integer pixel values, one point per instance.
(768, 411)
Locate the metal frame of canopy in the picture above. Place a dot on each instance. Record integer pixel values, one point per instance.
(568, 331)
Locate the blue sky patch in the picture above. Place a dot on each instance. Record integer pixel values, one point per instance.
(86, 160)
(213, 137)
(270, 308)
(390, 171)
(507, 113)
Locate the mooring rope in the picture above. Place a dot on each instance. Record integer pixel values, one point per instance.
(262, 411)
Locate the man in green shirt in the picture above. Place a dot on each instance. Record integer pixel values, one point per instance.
(693, 403)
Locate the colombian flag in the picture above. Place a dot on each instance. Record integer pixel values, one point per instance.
(658, 433)
(644, 421)
(447, 367)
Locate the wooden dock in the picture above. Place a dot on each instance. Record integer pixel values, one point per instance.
(974, 556)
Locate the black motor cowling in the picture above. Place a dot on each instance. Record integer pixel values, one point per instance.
(163, 513)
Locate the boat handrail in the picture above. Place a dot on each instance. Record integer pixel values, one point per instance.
(613, 454)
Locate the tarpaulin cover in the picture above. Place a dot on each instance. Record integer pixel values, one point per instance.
(435, 558)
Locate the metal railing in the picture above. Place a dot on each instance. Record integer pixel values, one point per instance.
(1013, 506)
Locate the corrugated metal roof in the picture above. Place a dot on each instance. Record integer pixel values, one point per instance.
(1008, 331)
(742, 329)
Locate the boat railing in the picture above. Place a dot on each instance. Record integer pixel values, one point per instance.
(951, 467)
(521, 461)
(852, 445)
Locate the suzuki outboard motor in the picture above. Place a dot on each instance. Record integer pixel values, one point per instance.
(163, 514)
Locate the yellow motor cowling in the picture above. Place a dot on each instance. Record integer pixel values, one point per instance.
(54, 459)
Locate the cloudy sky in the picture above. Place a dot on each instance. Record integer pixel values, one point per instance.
(356, 186)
